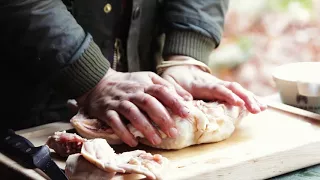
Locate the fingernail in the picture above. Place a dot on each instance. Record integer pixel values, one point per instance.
(240, 102)
(187, 98)
(256, 108)
(156, 139)
(185, 111)
(134, 143)
(173, 132)
(265, 106)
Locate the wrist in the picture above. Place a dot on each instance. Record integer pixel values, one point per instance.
(82, 99)
(84, 70)
(185, 61)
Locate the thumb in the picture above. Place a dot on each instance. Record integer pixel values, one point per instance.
(180, 90)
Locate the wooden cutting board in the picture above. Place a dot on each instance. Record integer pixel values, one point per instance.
(264, 145)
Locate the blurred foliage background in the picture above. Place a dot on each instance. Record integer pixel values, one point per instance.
(262, 34)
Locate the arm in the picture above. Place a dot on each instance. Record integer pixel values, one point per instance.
(71, 59)
(193, 28)
(79, 71)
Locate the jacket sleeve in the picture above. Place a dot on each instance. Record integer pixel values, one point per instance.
(193, 28)
(75, 62)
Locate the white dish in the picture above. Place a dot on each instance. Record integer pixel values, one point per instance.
(299, 84)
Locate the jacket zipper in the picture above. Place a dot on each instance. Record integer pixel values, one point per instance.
(116, 53)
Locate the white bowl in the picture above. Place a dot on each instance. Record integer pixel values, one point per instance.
(299, 84)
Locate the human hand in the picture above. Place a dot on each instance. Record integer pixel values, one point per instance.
(141, 98)
(203, 85)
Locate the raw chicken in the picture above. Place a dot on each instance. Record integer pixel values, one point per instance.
(65, 144)
(98, 160)
(207, 122)
(78, 168)
(95, 159)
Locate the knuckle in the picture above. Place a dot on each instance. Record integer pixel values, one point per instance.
(171, 88)
(194, 84)
(163, 88)
(248, 99)
(112, 119)
(216, 87)
(224, 90)
(126, 106)
(163, 121)
(175, 102)
(148, 128)
(104, 102)
(146, 100)
(225, 83)
(111, 115)
(159, 89)
(234, 85)
(152, 74)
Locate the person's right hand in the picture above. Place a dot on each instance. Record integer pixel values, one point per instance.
(140, 97)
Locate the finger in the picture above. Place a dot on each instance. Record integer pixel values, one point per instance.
(180, 90)
(156, 79)
(160, 81)
(246, 96)
(169, 99)
(156, 111)
(218, 91)
(263, 106)
(114, 121)
(138, 120)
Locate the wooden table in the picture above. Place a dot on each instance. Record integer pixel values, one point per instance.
(308, 173)
(266, 145)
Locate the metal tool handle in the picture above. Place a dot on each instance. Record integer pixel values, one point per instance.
(18, 148)
(21, 150)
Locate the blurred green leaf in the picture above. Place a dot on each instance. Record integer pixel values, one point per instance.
(232, 55)
(282, 5)
(244, 43)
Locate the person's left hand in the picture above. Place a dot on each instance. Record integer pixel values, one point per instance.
(205, 86)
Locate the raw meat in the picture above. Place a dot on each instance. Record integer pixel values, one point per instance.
(207, 122)
(78, 168)
(65, 144)
(97, 160)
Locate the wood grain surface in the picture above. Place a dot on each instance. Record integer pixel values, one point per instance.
(264, 145)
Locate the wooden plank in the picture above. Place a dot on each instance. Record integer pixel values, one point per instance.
(275, 102)
(264, 145)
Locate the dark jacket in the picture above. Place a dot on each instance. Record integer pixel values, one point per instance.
(46, 49)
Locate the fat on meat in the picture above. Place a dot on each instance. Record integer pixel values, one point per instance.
(102, 162)
(207, 122)
(78, 168)
(96, 159)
